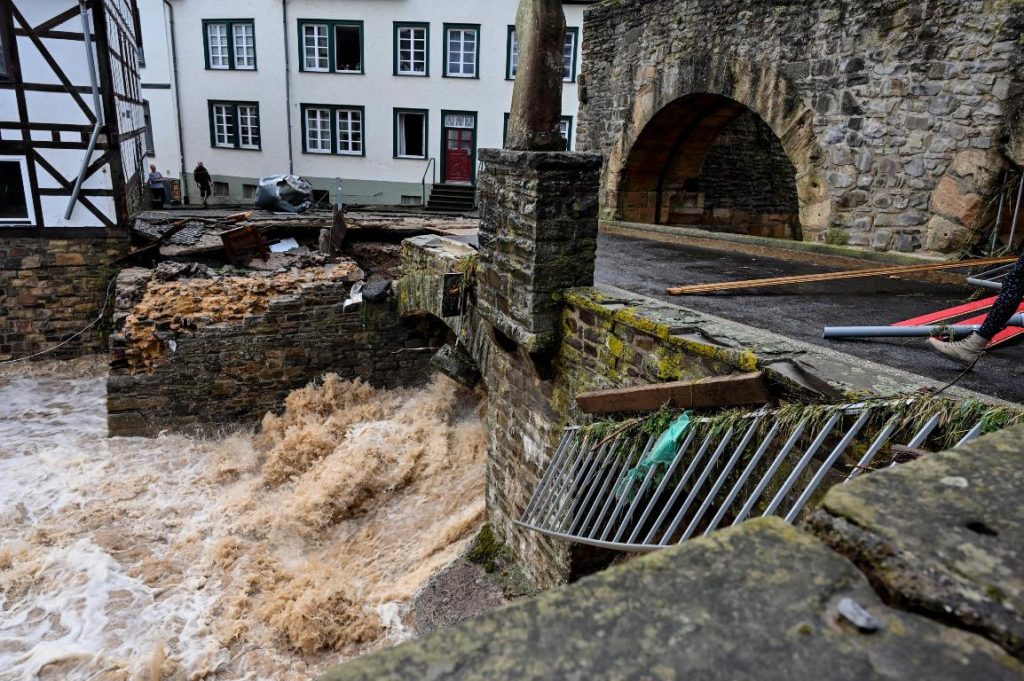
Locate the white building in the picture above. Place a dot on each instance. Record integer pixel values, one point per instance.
(156, 61)
(71, 122)
(387, 95)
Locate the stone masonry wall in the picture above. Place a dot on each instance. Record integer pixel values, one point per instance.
(52, 288)
(232, 373)
(530, 397)
(894, 113)
(538, 236)
(747, 183)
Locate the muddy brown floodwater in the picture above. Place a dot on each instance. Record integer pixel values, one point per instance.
(263, 557)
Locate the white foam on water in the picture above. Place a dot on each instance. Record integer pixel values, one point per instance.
(176, 558)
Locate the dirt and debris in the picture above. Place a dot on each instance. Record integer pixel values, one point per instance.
(176, 299)
(191, 279)
(201, 234)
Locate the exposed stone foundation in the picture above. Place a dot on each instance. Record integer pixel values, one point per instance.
(52, 288)
(212, 371)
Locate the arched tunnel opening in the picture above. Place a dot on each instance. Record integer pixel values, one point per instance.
(711, 162)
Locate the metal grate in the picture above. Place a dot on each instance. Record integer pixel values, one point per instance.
(722, 473)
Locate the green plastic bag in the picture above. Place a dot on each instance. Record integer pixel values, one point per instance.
(663, 452)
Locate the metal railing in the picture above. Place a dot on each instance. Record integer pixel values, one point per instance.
(431, 164)
(595, 493)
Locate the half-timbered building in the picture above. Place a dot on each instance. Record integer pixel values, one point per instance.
(71, 163)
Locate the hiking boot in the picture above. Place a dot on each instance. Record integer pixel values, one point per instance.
(964, 352)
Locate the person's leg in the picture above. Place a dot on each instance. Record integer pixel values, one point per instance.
(1006, 304)
(968, 350)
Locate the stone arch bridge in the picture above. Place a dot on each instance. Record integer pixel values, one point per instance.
(881, 123)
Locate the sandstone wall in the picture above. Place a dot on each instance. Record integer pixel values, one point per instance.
(894, 113)
(52, 288)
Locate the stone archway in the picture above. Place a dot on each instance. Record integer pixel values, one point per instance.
(709, 161)
(690, 120)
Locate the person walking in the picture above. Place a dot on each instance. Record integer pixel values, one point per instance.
(967, 351)
(205, 183)
(156, 184)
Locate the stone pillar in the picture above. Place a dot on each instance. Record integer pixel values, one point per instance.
(538, 236)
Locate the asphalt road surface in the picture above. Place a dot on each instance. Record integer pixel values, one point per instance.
(801, 311)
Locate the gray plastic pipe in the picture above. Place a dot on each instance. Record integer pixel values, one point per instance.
(956, 330)
(985, 283)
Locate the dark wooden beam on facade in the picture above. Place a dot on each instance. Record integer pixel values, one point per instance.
(735, 390)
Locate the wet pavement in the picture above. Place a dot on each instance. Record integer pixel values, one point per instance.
(801, 311)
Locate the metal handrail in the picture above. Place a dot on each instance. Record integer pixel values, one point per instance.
(777, 473)
(432, 163)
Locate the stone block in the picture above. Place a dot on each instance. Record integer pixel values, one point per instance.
(758, 602)
(942, 535)
(538, 231)
(951, 200)
(946, 236)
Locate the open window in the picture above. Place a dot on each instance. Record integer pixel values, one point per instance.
(410, 134)
(348, 48)
(15, 202)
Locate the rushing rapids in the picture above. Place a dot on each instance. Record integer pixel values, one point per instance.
(266, 556)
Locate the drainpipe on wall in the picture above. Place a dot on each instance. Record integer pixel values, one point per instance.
(177, 103)
(97, 127)
(288, 85)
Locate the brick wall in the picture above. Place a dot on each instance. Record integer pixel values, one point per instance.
(228, 373)
(52, 288)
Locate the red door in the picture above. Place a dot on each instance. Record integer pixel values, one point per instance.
(458, 162)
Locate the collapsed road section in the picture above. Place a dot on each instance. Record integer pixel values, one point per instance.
(218, 329)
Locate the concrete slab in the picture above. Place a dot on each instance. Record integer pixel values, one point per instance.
(943, 535)
(756, 602)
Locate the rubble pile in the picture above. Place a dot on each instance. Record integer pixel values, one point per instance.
(156, 305)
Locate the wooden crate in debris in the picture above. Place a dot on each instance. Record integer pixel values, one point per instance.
(244, 244)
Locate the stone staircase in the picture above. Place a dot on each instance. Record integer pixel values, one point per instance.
(452, 197)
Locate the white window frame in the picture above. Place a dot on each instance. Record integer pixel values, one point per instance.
(455, 63)
(244, 45)
(569, 54)
(248, 126)
(565, 127)
(321, 142)
(353, 123)
(224, 126)
(400, 150)
(513, 54)
(312, 51)
(30, 208)
(410, 35)
(569, 50)
(218, 52)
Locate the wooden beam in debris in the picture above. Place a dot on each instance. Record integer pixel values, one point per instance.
(836, 276)
(720, 391)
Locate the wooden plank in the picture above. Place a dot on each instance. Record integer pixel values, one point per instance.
(720, 391)
(836, 276)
